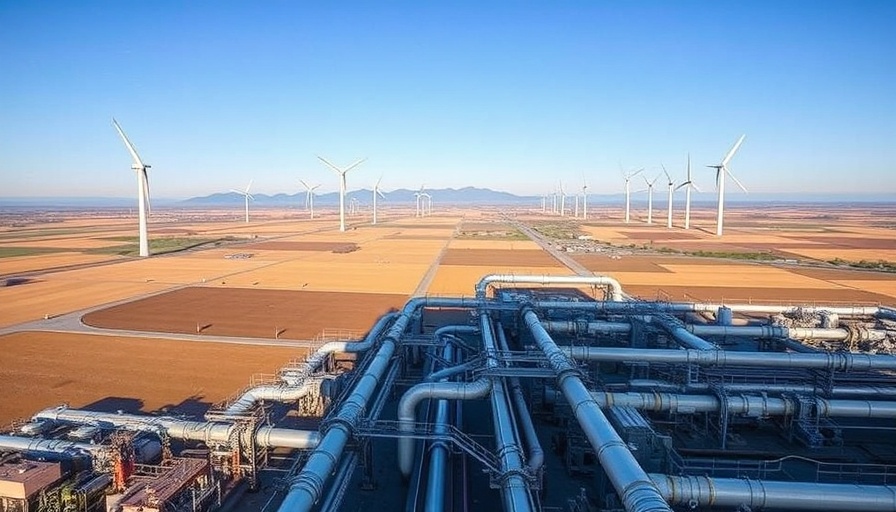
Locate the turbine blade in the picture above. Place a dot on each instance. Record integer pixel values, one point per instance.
(328, 164)
(696, 187)
(718, 176)
(315, 187)
(359, 162)
(305, 184)
(127, 143)
(666, 173)
(685, 184)
(145, 178)
(249, 185)
(739, 184)
(240, 192)
(636, 172)
(734, 149)
(251, 197)
(380, 193)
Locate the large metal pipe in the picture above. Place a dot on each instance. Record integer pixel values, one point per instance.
(682, 335)
(840, 361)
(306, 488)
(438, 454)
(294, 386)
(63, 448)
(643, 307)
(203, 431)
(514, 486)
(751, 405)
(731, 493)
(535, 459)
(747, 331)
(636, 490)
(615, 287)
(766, 387)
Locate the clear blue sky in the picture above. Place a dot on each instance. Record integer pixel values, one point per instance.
(509, 95)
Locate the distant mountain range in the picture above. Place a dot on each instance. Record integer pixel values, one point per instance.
(462, 196)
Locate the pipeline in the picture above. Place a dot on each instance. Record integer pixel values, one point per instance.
(731, 493)
(535, 459)
(690, 338)
(294, 386)
(648, 307)
(615, 287)
(636, 490)
(514, 485)
(740, 387)
(840, 361)
(203, 431)
(438, 457)
(63, 448)
(757, 406)
(306, 488)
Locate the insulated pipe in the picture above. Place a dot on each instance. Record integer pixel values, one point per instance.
(681, 335)
(744, 404)
(294, 386)
(514, 487)
(689, 307)
(840, 361)
(740, 387)
(306, 488)
(535, 460)
(730, 493)
(749, 331)
(202, 431)
(637, 492)
(64, 448)
(615, 288)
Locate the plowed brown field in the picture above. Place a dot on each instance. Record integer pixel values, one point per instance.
(248, 312)
(39, 370)
(303, 246)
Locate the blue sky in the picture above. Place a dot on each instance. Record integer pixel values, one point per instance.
(509, 95)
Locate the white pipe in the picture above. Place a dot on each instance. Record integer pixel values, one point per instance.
(839, 361)
(637, 492)
(294, 386)
(614, 285)
(689, 307)
(205, 432)
(35, 445)
(759, 387)
(731, 493)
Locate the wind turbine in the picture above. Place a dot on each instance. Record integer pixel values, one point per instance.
(584, 198)
(669, 201)
(341, 173)
(248, 196)
(628, 191)
(688, 185)
(562, 200)
(650, 198)
(418, 196)
(721, 171)
(376, 192)
(309, 196)
(544, 199)
(142, 190)
(427, 203)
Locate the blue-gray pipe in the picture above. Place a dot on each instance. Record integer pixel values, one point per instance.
(438, 458)
(307, 487)
(636, 490)
(514, 486)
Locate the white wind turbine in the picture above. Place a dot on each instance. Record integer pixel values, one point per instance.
(628, 191)
(142, 190)
(376, 192)
(584, 198)
(427, 203)
(562, 200)
(418, 196)
(341, 173)
(247, 195)
(721, 171)
(309, 196)
(650, 198)
(688, 185)
(671, 185)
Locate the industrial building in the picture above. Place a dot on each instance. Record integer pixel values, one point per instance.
(537, 394)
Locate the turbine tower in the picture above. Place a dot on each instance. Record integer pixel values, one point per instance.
(142, 190)
(309, 196)
(562, 200)
(650, 198)
(671, 185)
(721, 171)
(584, 198)
(247, 195)
(688, 185)
(376, 192)
(628, 191)
(341, 173)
